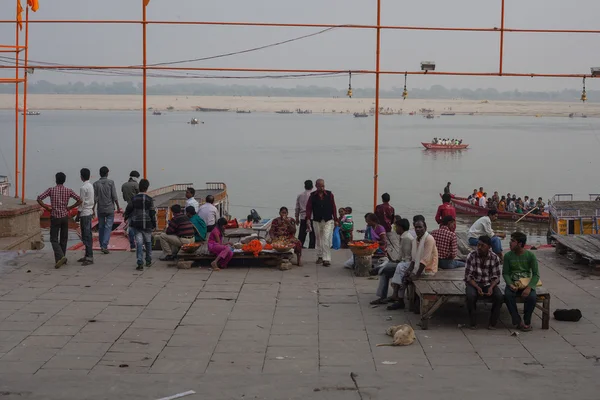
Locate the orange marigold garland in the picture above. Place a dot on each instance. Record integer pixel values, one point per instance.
(254, 247)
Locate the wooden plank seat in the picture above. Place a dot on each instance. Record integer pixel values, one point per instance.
(431, 292)
(584, 246)
(203, 258)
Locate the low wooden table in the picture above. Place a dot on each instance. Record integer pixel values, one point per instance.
(240, 259)
(434, 291)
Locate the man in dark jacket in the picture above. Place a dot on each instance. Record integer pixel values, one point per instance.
(142, 221)
(322, 210)
(130, 189)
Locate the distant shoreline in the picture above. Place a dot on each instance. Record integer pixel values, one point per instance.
(317, 105)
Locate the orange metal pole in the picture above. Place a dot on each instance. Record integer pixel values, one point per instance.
(144, 102)
(501, 40)
(377, 65)
(17, 109)
(26, 62)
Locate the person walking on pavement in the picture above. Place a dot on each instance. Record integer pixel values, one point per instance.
(323, 212)
(141, 214)
(130, 189)
(105, 199)
(59, 216)
(85, 216)
(301, 201)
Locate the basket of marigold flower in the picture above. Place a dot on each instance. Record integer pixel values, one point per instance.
(363, 248)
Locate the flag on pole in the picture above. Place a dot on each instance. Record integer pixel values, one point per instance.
(33, 4)
(146, 2)
(20, 15)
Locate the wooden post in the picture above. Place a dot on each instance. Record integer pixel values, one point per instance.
(362, 265)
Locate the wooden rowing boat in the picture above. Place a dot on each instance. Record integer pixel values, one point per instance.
(463, 206)
(433, 146)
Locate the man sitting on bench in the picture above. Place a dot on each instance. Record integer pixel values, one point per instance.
(482, 276)
(522, 275)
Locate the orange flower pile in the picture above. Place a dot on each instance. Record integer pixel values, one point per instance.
(364, 245)
(254, 247)
(268, 247)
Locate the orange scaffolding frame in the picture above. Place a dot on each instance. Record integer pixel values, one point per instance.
(144, 67)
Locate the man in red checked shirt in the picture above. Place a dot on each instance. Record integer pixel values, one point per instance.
(59, 216)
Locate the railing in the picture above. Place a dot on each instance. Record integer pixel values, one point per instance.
(216, 186)
(171, 188)
(594, 196)
(559, 197)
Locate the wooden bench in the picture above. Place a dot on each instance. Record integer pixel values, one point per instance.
(585, 247)
(434, 291)
(239, 259)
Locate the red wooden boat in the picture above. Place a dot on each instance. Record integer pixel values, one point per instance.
(119, 240)
(433, 146)
(463, 206)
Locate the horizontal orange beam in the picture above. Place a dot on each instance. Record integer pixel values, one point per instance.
(11, 80)
(298, 25)
(288, 71)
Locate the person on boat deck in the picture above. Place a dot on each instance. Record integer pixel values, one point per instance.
(198, 223)
(508, 198)
(483, 227)
(519, 206)
(130, 189)
(482, 276)
(424, 252)
(142, 221)
(283, 229)
(492, 204)
(191, 201)
(386, 214)
(447, 188)
(209, 213)
(502, 204)
(496, 197)
(386, 271)
(531, 204)
(540, 206)
(526, 203)
(180, 231)
(447, 244)
(473, 199)
(480, 192)
(216, 246)
(446, 209)
(522, 276)
(105, 198)
(483, 200)
(59, 216)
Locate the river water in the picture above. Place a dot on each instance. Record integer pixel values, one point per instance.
(265, 158)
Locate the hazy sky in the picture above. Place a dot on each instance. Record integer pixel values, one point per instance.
(338, 49)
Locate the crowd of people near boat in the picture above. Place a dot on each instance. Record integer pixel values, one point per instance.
(509, 203)
(447, 141)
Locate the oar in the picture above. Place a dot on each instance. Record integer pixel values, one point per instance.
(532, 210)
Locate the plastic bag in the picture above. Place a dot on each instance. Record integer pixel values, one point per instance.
(336, 241)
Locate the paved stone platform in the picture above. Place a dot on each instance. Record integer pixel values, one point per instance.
(108, 331)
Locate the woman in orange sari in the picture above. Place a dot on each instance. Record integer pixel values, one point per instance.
(283, 229)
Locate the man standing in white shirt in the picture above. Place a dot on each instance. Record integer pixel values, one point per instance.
(191, 201)
(483, 201)
(301, 201)
(483, 227)
(85, 216)
(209, 213)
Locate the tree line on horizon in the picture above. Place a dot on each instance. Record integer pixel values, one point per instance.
(209, 89)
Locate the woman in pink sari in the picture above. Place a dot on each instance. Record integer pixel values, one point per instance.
(284, 229)
(216, 246)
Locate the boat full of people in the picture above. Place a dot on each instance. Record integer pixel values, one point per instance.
(445, 144)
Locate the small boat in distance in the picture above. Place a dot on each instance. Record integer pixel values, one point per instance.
(299, 111)
(205, 109)
(433, 146)
(361, 115)
(448, 113)
(194, 121)
(243, 111)
(429, 116)
(31, 113)
(284, 112)
(156, 112)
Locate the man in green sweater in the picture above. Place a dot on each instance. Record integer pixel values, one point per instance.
(521, 273)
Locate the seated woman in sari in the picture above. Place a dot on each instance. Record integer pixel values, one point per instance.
(375, 232)
(283, 229)
(223, 252)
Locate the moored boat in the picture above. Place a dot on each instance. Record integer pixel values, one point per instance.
(206, 109)
(31, 113)
(284, 112)
(361, 115)
(463, 206)
(156, 112)
(434, 146)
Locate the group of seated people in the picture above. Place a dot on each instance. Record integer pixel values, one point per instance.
(507, 203)
(426, 251)
(447, 141)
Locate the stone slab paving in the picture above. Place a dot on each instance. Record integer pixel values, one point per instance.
(303, 330)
